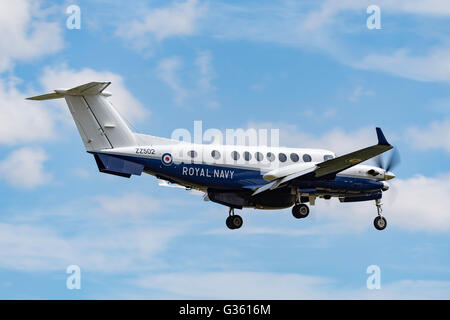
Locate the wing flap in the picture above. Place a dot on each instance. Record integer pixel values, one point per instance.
(278, 182)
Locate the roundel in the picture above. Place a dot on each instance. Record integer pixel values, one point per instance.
(166, 159)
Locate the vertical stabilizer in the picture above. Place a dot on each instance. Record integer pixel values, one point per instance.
(98, 122)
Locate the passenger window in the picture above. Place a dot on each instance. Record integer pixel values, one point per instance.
(192, 154)
(294, 157)
(235, 155)
(215, 154)
(247, 156)
(307, 158)
(282, 157)
(259, 156)
(270, 156)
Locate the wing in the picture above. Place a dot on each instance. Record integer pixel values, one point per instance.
(348, 160)
(334, 166)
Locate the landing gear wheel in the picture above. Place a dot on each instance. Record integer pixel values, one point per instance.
(300, 211)
(229, 223)
(234, 222)
(380, 223)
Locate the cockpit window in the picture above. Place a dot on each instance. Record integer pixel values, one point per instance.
(327, 157)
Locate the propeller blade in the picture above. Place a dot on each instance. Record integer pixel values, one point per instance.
(379, 162)
(394, 160)
(393, 193)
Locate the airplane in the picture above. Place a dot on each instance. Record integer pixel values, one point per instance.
(236, 176)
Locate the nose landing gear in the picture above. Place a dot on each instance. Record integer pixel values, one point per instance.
(234, 221)
(380, 222)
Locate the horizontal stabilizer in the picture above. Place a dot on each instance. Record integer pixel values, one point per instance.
(91, 88)
(48, 96)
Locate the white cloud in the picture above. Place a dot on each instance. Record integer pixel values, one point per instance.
(176, 19)
(420, 203)
(131, 203)
(81, 173)
(206, 70)
(205, 78)
(436, 136)
(358, 93)
(107, 233)
(237, 285)
(22, 120)
(167, 71)
(63, 77)
(23, 168)
(329, 9)
(270, 285)
(323, 24)
(419, 7)
(25, 33)
(195, 85)
(113, 249)
(433, 66)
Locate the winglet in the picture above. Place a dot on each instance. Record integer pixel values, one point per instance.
(381, 138)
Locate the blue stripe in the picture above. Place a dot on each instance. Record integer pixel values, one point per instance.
(216, 176)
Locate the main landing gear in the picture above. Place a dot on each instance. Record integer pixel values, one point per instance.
(380, 222)
(300, 210)
(234, 221)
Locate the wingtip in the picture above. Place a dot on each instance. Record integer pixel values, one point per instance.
(381, 138)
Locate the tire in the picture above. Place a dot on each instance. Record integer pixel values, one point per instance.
(229, 223)
(380, 223)
(300, 211)
(236, 221)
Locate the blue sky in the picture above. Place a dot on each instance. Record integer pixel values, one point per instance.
(309, 68)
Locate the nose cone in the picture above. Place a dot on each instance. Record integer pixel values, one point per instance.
(389, 175)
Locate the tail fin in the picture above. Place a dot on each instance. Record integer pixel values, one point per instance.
(98, 122)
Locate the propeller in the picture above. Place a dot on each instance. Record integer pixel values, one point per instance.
(393, 161)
